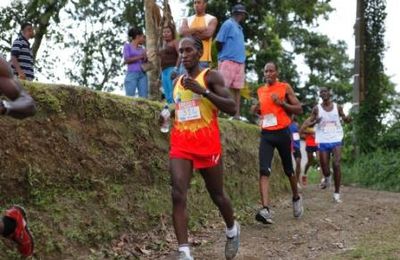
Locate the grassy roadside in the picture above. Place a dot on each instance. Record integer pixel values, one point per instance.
(91, 167)
(378, 170)
(378, 244)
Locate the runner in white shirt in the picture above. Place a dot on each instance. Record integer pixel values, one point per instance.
(329, 137)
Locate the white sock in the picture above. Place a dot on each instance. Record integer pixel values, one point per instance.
(184, 248)
(231, 232)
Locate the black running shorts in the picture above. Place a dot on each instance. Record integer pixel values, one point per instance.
(279, 139)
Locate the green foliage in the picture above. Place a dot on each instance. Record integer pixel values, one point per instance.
(92, 30)
(42, 14)
(390, 140)
(10, 19)
(329, 66)
(378, 170)
(98, 48)
(378, 87)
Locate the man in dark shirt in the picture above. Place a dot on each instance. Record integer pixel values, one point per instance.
(21, 53)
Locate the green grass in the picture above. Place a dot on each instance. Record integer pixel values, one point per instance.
(92, 166)
(376, 245)
(379, 170)
(314, 176)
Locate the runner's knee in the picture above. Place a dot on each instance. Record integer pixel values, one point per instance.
(178, 196)
(336, 164)
(218, 198)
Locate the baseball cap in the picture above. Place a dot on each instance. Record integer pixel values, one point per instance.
(239, 8)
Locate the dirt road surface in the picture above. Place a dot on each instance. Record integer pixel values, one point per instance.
(365, 225)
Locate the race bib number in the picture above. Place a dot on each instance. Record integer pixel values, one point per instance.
(269, 120)
(187, 111)
(296, 137)
(329, 127)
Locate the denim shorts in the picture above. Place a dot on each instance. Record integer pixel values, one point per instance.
(136, 84)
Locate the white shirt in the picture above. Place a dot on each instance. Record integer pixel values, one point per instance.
(329, 129)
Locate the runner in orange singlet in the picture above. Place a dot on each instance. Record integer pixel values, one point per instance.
(311, 149)
(195, 143)
(277, 101)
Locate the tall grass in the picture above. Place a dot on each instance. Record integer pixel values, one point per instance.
(379, 170)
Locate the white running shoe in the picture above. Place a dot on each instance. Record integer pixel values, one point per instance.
(326, 183)
(184, 256)
(336, 198)
(232, 244)
(298, 208)
(264, 216)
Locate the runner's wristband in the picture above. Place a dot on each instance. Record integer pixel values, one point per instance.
(206, 93)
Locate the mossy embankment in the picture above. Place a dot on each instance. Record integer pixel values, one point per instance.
(91, 166)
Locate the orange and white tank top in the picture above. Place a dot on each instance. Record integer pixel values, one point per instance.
(195, 129)
(195, 21)
(273, 117)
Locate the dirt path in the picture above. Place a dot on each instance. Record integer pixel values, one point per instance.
(327, 230)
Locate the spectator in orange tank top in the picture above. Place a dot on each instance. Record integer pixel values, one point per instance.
(277, 101)
(201, 25)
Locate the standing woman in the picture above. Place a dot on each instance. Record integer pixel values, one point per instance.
(169, 61)
(134, 57)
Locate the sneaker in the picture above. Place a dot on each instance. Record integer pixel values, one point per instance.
(298, 208)
(264, 216)
(232, 244)
(336, 198)
(304, 180)
(22, 236)
(326, 183)
(184, 256)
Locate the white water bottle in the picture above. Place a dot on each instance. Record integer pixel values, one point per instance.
(165, 114)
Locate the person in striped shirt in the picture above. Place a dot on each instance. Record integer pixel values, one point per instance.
(21, 53)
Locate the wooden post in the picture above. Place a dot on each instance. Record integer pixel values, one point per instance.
(359, 80)
(359, 70)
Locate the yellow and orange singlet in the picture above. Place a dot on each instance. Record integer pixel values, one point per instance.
(274, 117)
(195, 128)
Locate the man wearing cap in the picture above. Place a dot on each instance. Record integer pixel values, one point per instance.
(231, 53)
(202, 26)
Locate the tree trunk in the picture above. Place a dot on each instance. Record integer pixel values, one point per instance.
(153, 19)
(41, 14)
(359, 70)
